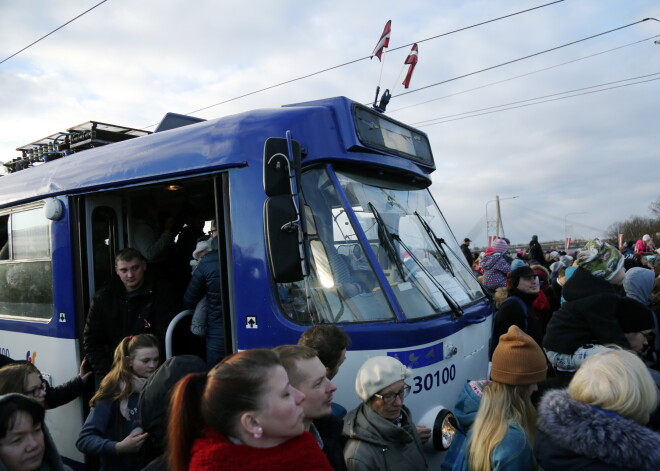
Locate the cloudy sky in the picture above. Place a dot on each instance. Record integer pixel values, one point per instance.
(575, 164)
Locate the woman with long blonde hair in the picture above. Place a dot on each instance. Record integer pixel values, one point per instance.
(496, 418)
(112, 429)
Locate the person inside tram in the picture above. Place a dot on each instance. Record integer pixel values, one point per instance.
(205, 283)
(243, 415)
(153, 240)
(308, 375)
(25, 443)
(599, 421)
(23, 377)
(497, 419)
(382, 421)
(134, 302)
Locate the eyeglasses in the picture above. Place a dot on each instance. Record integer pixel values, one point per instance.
(212, 232)
(389, 397)
(37, 391)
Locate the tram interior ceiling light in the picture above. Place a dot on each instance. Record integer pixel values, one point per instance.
(173, 187)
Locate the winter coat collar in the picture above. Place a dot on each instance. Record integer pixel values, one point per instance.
(213, 451)
(584, 431)
(364, 424)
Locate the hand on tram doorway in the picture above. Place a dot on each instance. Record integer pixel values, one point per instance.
(424, 433)
(85, 370)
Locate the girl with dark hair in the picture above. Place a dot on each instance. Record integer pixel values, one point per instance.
(112, 430)
(25, 444)
(244, 415)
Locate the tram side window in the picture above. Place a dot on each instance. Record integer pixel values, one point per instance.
(25, 270)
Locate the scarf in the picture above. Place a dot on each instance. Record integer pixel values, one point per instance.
(213, 451)
(138, 384)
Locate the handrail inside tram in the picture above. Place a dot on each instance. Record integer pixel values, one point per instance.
(170, 331)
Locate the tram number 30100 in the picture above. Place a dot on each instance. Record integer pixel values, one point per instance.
(432, 380)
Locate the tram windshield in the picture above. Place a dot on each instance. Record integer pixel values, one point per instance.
(388, 232)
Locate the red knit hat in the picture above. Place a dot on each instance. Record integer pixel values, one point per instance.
(518, 360)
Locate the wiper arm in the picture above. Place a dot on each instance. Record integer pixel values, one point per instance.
(451, 302)
(388, 240)
(437, 243)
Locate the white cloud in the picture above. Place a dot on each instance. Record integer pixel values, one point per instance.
(130, 62)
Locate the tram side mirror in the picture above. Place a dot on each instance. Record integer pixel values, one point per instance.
(277, 169)
(282, 239)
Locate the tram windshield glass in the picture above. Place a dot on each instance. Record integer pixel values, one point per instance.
(407, 242)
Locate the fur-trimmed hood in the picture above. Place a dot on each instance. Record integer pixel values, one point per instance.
(571, 432)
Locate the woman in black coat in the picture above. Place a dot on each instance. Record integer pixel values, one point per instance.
(516, 308)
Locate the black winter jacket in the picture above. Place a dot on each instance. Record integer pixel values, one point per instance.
(330, 431)
(511, 313)
(587, 316)
(114, 315)
(574, 436)
(206, 281)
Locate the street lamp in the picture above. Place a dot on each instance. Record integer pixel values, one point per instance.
(490, 201)
(565, 226)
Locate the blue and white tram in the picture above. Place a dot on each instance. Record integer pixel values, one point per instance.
(324, 217)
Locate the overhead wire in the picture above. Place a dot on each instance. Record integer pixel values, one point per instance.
(521, 58)
(364, 58)
(56, 29)
(476, 112)
(521, 75)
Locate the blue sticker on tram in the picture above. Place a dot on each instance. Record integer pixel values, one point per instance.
(421, 356)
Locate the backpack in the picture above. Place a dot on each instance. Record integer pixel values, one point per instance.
(493, 343)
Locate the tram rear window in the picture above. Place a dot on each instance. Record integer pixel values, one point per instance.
(376, 130)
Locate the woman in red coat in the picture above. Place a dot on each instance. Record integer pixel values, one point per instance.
(243, 415)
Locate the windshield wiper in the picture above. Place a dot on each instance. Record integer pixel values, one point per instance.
(388, 241)
(437, 243)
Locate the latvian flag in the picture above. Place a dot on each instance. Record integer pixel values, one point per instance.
(384, 41)
(412, 60)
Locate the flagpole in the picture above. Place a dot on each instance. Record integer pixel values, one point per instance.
(397, 79)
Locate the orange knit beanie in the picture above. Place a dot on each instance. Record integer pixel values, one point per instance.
(518, 360)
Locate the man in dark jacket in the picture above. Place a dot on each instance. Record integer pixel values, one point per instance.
(465, 248)
(136, 303)
(206, 282)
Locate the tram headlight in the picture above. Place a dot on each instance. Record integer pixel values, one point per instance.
(444, 430)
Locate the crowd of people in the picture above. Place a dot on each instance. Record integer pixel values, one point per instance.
(574, 361)
(572, 384)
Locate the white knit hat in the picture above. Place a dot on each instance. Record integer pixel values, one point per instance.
(377, 373)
